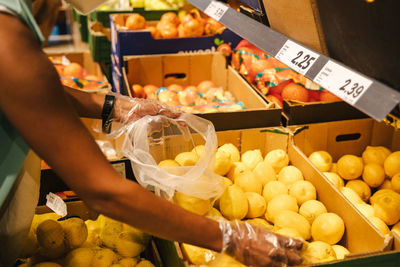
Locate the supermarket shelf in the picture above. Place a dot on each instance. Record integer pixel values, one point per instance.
(366, 94)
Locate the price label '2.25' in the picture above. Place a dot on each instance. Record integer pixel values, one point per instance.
(344, 83)
(297, 57)
(216, 10)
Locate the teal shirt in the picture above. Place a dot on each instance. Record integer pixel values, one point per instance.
(13, 148)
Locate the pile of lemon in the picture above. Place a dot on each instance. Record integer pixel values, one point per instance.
(268, 192)
(370, 182)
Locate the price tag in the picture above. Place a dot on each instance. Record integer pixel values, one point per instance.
(342, 82)
(216, 10)
(297, 57)
(56, 204)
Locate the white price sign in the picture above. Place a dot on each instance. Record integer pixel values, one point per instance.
(56, 204)
(342, 82)
(297, 57)
(216, 10)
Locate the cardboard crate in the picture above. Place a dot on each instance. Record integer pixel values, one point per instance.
(348, 137)
(153, 69)
(86, 61)
(79, 209)
(366, 244)
(100, 47)
(126, 42)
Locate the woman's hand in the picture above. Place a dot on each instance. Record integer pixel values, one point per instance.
(255, 247)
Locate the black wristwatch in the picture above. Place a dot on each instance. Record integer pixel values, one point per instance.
(107, 114)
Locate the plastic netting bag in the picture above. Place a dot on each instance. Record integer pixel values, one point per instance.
(152, 139)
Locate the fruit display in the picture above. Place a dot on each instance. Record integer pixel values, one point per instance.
(73, 242)
(206, 97)
(73, 75)
(265, 191)
(146, 4)
(171, 25)
(370, 182)
(274, 79)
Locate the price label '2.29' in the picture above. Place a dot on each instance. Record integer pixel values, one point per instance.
(344, 83)
(297, 57)
(216, 10)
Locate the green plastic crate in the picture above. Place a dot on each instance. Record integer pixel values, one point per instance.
(81, 21)
(103, 16)
(100, 47)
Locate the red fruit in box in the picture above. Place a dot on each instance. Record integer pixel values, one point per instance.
(246, 44)
(279, 88)
(175, 87)
(277, 99)
(314, 95)
(135, 22)
(225, 49)
(168, 97)
(137, 91)
(170, 17)
(167, 29)
(205, 85)
(188, 97)
(328, 96)
(257, 67)
(293, 91)
(212, 27)
(150, 91)
(73, 70)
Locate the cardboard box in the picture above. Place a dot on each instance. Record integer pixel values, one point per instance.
(86, 61)
(126, 42)
(79, 209)
(194, 68)
(366, 244)
(348, 137)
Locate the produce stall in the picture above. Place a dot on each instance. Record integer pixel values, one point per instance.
(307, 143)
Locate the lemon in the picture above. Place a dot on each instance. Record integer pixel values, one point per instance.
(233, 203)
(392, 164)
(187, 158)
(257, 205)
(79, 257)
(145, 263)
(361, 188)
(278, 159)
(197, 255)
(128, 262)
(251, 158)
(328, 227)
(264, 172)
(322, 160)
(76, 232)
(236, 168)
(365, 209)
(259, 222)
(280, 203)
(352, 196)
(192, 204)
(214, 214)
(340, 251)
(104, 257)
(248, 182)
(317, 252)
(273, 189)
(290, 232)
(227, 261)
(396, 182)
(199, 150)
(50, 236)
(396, 228)
(47, 264)
(373, 174)
(379, 224)
(223, 162)
(110, 230)
(128, 245)
(386, 203)
(387, 184)
(232, 150)
(168, 163)
(375, 154)
(302, 191)
(333, 177)
(311, 209)
(290, 174)
(350, 167)
(291, 219)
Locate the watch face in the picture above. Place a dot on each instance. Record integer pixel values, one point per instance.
(86, 6)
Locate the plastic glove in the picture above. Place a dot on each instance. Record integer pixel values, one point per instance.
(255, 247)
(127, 109)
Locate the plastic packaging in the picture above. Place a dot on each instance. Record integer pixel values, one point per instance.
(151, 139)
(258, 247)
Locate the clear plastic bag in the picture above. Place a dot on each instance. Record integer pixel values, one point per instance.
(154, 138)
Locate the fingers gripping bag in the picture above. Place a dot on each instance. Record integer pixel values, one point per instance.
(175, 159)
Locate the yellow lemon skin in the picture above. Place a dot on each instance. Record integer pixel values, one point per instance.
(361, 188)
(232, 150)
(257, 205)
(318, 252)
(278, 204)
(273, 189)
(373, 174)
(311, 209)
(192, 204)
(233, 203)
(278, 159)
(336, 180)
(328, 227)
(392, 164)
(322, 160)
(340, 251)
(291, 219)
(251, 158)
(303, 191)
(289, 175)
(350, 167)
